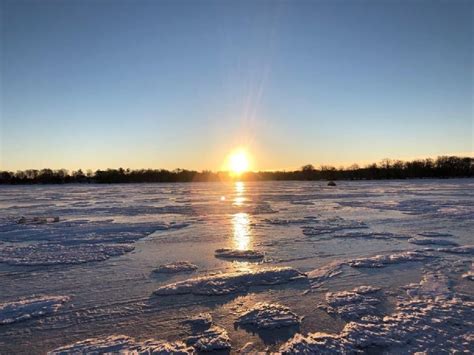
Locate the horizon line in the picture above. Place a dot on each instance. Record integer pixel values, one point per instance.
(318, 167)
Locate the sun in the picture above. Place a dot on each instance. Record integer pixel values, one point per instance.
(238, 162)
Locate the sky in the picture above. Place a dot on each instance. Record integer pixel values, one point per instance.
(179, 84)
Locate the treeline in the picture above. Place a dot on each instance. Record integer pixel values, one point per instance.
(442, 167)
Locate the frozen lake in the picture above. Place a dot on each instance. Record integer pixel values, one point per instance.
(81, 264)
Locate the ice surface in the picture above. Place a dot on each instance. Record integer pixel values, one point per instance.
(226, 253)
(269, 315)
(332, 225)
(424, 298)
(124, 345)
(222, 284)
(370, 235)
(27, 308)
(177, 266)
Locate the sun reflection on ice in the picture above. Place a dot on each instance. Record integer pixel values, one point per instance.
(239, 187)
(242, 236)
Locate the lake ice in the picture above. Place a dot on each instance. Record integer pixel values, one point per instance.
(364, 266)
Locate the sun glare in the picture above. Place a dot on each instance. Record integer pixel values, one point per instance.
(238, 162)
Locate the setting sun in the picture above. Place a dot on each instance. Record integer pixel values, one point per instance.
(238, 162)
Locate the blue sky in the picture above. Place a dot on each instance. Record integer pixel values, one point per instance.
(167, 84)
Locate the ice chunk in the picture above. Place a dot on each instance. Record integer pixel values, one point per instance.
(211, 339)
(200, 320)
(370, 235)
(384, 260)
(177, 266)
(464, 249)
(320, 275)
(285, 222)
(434, 234)
(51, 254)
(434, 241)
(123, 344)
(222, 284)
(267, 315)
(27, 308)
(353, 304)
(469, 275)
(238, 254)
(317, 343)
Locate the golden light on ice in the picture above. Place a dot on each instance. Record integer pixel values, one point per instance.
(238, 162)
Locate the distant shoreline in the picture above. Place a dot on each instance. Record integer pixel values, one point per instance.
(444, 167)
